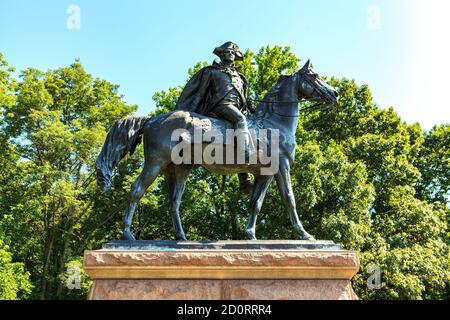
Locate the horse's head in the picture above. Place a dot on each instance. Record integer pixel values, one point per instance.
(312, 86)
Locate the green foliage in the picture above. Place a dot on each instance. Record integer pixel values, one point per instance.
(433, 162)
(415, 273)
(271, 63)
(14, 281)
(166, 100)
(362, 178)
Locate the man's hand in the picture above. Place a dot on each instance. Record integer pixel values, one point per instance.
(250, 108)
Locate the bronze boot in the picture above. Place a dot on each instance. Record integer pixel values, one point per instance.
(245, 183)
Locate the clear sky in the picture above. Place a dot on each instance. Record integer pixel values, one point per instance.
(400, 48)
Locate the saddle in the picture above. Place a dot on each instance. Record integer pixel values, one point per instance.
(211, 127)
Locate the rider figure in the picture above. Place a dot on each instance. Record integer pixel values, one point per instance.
(221, 90)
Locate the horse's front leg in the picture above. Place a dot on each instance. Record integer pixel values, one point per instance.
(260, 187)
(176, 177)
(283, 178)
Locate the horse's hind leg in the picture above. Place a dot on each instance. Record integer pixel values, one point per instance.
(138, 188)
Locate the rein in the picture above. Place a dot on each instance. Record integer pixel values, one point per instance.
(282, 102)
(314, 106)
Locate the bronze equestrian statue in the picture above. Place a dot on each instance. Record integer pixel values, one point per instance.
(278, 112)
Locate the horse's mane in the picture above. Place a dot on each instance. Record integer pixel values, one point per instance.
(274, 91)
(277, 86)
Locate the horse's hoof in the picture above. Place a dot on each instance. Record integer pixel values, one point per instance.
(251, 235)
(307, 237)
(127, 236)
(181, 237)
(303, 235)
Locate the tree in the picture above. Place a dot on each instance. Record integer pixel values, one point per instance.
(55, 125)
(434, 165)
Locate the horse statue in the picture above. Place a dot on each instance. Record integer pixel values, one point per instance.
(278, 111)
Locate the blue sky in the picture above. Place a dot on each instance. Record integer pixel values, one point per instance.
(147, 46)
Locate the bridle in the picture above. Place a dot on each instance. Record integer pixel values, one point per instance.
(301, 75)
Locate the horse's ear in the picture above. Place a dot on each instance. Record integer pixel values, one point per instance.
(308, 66)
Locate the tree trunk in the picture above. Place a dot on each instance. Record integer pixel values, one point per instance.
(47, 253)
(62, 257)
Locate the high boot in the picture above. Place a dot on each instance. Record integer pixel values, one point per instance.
(245, 183)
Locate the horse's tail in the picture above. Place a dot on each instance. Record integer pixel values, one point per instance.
(123, 138)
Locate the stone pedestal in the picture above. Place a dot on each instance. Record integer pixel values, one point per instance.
(228, 270)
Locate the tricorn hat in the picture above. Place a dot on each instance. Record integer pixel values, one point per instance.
(229, 45)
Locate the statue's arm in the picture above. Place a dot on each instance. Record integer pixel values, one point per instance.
(250, 108)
